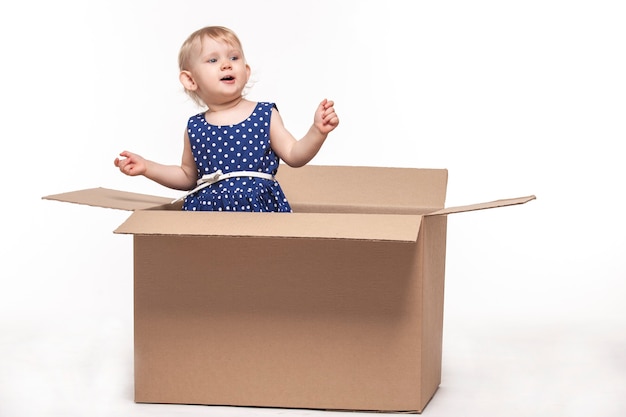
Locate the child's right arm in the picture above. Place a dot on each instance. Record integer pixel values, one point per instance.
(181, 177)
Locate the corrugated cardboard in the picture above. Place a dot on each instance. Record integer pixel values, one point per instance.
(338, 305)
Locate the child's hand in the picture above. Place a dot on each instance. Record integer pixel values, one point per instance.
(326, 119)
(130, 164)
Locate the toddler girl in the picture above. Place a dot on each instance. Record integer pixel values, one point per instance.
(231, 151)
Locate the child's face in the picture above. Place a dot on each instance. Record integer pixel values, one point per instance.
(219, 71)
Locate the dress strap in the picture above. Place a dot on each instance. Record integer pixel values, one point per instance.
(218, 175)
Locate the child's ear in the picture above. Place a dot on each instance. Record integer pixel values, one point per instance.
(187, 81)
(248, 72)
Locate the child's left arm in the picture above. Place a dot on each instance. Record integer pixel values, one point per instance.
(297, 153)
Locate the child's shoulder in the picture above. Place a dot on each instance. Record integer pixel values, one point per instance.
(266, 105)
(197, 117)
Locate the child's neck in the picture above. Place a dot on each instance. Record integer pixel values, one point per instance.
(229, 113)
(220, 107)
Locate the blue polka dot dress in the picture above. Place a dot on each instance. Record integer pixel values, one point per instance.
(240, 147)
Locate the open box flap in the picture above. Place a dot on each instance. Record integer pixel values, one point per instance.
(400, 228)
(483, 206)
(107, 198)
(358, 189)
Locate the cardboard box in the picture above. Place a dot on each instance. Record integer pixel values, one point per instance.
(338, 305)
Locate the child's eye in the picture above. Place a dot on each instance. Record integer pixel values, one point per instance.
(212, 60)
(234, 58)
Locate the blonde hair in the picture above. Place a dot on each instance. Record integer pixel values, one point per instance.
(218, 33)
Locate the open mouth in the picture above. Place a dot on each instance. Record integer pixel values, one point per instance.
(228, 78)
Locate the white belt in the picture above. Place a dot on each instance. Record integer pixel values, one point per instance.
(218, 175)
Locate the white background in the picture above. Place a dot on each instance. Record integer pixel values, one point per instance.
(512, 97)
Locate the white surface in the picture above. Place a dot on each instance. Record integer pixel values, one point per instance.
(514, 98)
